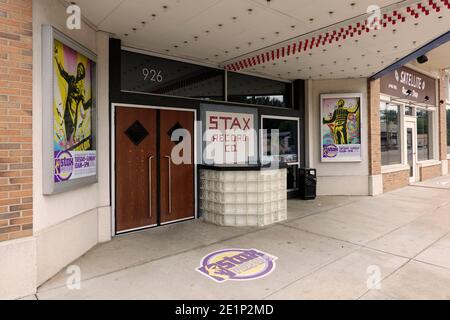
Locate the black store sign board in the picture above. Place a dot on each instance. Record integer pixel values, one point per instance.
(406, 83)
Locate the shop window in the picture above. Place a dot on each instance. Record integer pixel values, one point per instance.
(424, 130)
(448, 130)
(390, 134)
(147, 74)
(288, 139)
(259, 91)
(409, 111)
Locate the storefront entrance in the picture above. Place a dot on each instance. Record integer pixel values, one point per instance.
(411, 148)
(152, 188)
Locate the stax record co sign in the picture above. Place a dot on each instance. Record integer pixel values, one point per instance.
(406, 83)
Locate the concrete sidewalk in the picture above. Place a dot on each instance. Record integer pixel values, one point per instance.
(326, 250)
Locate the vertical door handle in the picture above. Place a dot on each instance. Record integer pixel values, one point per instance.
(170, 183)
(150, 186)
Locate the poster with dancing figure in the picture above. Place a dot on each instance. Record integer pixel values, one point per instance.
(73, 94)
(341, 127)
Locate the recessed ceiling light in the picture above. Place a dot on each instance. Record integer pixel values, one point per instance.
(250, 10)
(165, 7)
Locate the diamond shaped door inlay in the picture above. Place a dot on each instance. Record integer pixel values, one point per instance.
(136, 133)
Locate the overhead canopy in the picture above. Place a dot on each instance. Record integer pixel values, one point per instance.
(260, 36)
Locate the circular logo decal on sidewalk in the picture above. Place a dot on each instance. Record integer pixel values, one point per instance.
(237, 265)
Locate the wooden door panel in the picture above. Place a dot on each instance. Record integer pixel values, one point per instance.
(136, 146)
(176, 180)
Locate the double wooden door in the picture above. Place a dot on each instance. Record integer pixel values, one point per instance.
(154, 167)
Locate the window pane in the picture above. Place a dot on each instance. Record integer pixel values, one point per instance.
(390, 134)
(253, 90)
(448, 130)
(423, 134)
(409, 111)
(147, 74)
(292, 177)
(287, 140)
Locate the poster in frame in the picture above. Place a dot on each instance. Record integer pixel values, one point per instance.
(340, 127)
(69, 113)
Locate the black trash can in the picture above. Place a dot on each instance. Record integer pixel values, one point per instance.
(307, 183)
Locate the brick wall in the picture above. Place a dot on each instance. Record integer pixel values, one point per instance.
(395, 180)
(374, 128)
(430, 172)
(16, 215)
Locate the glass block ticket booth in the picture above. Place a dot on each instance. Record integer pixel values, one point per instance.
(193, 141)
